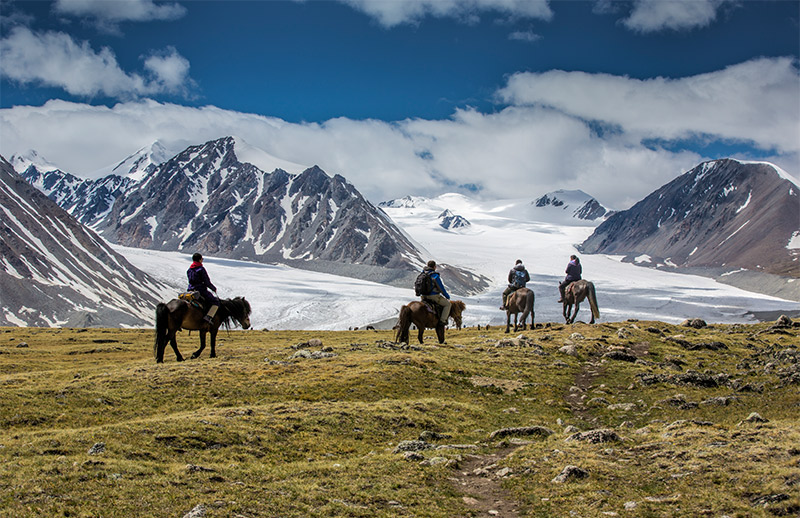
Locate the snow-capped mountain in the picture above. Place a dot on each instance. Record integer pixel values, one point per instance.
(721, 214)
(88, 200)
(450, 221)
(406, 202)
(56, 272)
(143, 162)
(576, 203)
(206, 199)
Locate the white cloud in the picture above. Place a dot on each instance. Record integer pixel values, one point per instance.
(658, 15)
(395, 12)
(54, 59)
(755, 101)
(108, 14)
(547, 140)
(528, 36)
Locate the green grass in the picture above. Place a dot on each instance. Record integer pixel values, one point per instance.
(254, 433)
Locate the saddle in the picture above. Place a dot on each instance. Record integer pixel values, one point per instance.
(194, 298)
(436, 309)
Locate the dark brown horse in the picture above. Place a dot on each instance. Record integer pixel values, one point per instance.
(416, 313)
(179, 314)
(521, 301)
(575, 294)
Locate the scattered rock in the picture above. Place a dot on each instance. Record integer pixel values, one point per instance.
(577, 336)
(766, 500)
(755, 417)
(696, 323)
(97, 448)
(315, 342)
(199, 511)
(570, 473)
(569, 350)
(623, 333)
(783, 321)
(428, 436)
(620, 355)
(625, 407)
(523, 431)
(413, 456)
(22, 345)
(413, 446)
(595, 436)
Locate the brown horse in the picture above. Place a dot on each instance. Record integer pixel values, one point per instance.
(521, 301)
(575, 294)
(179, 314)
(416, 313)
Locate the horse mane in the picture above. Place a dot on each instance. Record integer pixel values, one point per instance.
(235, 309)
(459, 306)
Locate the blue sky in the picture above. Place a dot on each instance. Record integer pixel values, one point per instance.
(415, 96)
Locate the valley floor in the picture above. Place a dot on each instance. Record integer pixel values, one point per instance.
(633, 418)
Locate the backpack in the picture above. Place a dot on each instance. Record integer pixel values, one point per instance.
(519, 278)
(423, 285)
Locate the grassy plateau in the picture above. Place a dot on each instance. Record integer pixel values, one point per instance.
(655, 419)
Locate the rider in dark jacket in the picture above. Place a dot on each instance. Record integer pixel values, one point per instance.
(438, 295)
(515, 281)
(574, 270)
(200, 282)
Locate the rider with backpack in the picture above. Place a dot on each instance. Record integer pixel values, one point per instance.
(517, 278)
(429, 287)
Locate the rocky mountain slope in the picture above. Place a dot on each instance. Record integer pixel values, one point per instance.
(723, 215)
(55, 271)
(576, 203)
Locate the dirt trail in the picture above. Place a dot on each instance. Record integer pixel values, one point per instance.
(478, 479)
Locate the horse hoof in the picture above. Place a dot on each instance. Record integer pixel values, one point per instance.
(180, 359)
(212, 356)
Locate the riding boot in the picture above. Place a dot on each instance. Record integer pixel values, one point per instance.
(210, 315)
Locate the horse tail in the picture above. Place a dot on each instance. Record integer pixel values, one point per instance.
(403, 324)
(162, 328)
(529, 299)
(593, 301)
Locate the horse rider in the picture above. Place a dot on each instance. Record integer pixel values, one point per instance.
(573, 271)
(437, 294)
(199, 281)
(517, 278)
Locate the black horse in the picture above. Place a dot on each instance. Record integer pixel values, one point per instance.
(179, 314)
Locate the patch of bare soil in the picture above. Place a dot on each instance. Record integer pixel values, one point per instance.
(478, 479)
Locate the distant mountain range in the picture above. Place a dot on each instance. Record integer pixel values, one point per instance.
(56, 272)
(205, 199)
(722, 216)
(576, 203)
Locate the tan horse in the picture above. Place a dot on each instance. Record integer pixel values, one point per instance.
(178, 314)
(521, 301)
(416, 313)
(575, 294)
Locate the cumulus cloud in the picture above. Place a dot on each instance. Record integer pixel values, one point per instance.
(659, 15)
(754, 102)
(55, 59)
(108, 14)
(547, 139)
(392, 13)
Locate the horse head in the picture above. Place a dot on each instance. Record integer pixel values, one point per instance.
(242, 314)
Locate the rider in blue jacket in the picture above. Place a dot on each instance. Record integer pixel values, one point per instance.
(438, 295)
(200, 282)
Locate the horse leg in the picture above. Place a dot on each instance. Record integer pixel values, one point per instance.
(174, 343)
(213, 333)
(440, 334)
(575, 313)
(421, 332)
(198, 352)
(508, 320)
(565, 311)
